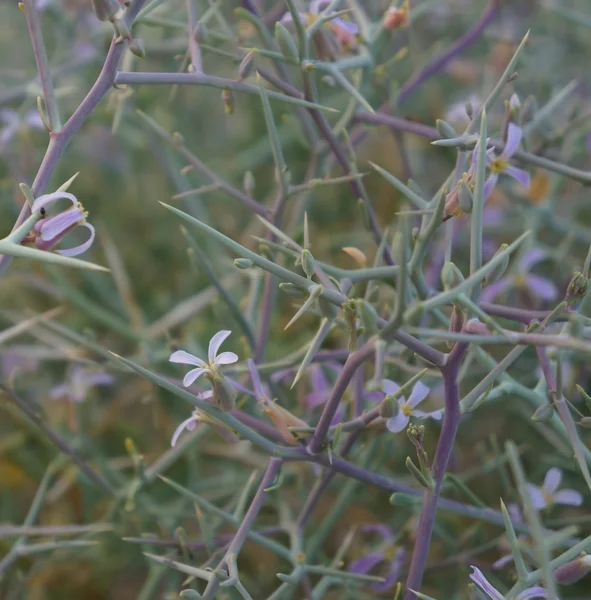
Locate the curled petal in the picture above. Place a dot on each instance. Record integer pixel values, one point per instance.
(532, 257)
(189, 424)
(501, 562)
(552, 480)
(226, 358)
(397, 423)
(520, 175)
(214, 345)
(390, 387)
(489, 184)
(514, 134)
(192, 376)
(184, 358)
(536, 495)
(534, 592)
(568, 497)
(542, 288)
(366, 563)
(82, 247)
(48, 199)
(419, 392)
(480, 580)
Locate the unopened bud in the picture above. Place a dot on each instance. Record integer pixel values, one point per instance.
(307, 262)
(136, 47)
(514, 104)
(245, 68)
(285, 41)
(369, 316)
(228, 101)
(397, 18)
(585, 422)
(105, 10)
(465, 197)
(577, 288)
(402, 499)
(543, 413)
(446, 130)
(388, 408)
(292, 290)
(500, 269)
(572, 571)
(469, 110)
(243, 263)
(451, 276)
(249, 183)
(417, 473)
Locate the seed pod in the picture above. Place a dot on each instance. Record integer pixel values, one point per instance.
(243, 263)
(105, 10)
(465, 197)
(245, 68)
(451, 276)
(445, 129)
(307, 262)
(500, 269)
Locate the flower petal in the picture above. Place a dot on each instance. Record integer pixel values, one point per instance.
(489, 185)
(214, 344)
(419, 392)
(514, 134)
(381, 529)
(536, 495)
(366, 563)
(189, 424)
(397, 423)
(494, 290)
(552, 480)
(192, 376)
(542, 287)
(99, 379)
(393, 573)
(520, 175)
(82, 247)
(184, 358)
(480, 580)
(534, 592)
(568, 497)
(501, 562)
(531, 258)
(390, 387)
(226, 358)
(48, 199)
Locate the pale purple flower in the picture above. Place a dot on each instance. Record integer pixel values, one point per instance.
(407, 408)
(320, 389)
(14, 122)
(188, 424)
(387, 553)
(344, 30)
(480, 580)
(50, 230)
(500, 164)
(215, 360)
(538, 287)
(548, 494)
(80, 381)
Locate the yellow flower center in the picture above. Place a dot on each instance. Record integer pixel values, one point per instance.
(520, 281)
(499, 165)
(406, 410)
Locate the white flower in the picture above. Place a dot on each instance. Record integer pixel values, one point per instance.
(215, 360)
(407, 408)
(548, 494)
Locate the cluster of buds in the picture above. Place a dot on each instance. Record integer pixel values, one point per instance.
(397, 17)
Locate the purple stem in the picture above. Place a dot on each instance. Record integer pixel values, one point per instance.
(353, 362)
(58, 141)
(451, 421)
(247, 523)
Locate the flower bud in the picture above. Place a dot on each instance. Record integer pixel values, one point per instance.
(369, 316)
(577, 288)
(292, 290)
(446, 130)
(500, 269)
(397, 18)
(388, 408)
(223, 394)
(451, 276)
(105, 10)
(572, 571)
(543, 413)
(245, 68)
(285, 41)
(249, 183)
(514, 105)
(465, 197)
(243, 263)
(137, 48)
(585, 422)
(228, 101)
(307, 262)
